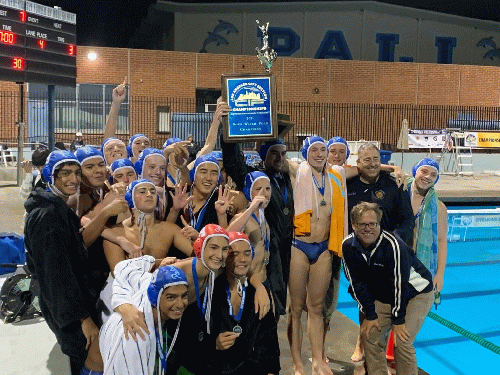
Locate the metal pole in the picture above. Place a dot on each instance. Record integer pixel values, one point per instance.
(20, 135)
(50, 106)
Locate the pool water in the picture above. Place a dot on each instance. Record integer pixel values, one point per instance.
(470, 297)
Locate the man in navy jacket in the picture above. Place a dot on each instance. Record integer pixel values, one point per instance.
(391, 286)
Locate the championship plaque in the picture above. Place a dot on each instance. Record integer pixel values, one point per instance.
(252, 98)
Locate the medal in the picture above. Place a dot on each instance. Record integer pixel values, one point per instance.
(266, 261)
(200, 336)
(323, 203)
(286, 211)
(237, 329)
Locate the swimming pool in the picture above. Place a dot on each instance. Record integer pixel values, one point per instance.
(470, 297)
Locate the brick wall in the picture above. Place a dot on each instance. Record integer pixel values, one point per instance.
(166, 74)
(178, 74)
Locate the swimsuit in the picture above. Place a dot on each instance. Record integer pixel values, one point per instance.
(311, 250)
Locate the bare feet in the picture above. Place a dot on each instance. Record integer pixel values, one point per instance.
(358, 354)
(321, 368)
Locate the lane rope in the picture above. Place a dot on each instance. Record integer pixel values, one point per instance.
(462, 331)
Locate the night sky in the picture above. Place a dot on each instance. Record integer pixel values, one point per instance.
(113, 23)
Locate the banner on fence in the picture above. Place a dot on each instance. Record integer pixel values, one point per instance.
(482, 139)
(426, 138)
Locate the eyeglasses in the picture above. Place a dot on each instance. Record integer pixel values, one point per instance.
(364, 225)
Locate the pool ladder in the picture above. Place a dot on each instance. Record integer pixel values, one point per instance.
(458, 222)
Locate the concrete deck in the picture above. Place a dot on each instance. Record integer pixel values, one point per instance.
(31, 348)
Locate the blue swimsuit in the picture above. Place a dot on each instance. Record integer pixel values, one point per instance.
(312, 250)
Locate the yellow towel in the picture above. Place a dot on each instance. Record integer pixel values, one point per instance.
(303, 195)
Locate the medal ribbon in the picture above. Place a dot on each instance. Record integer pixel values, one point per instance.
(322, 188)
(196, 223)
(284, 195)
(263, 228)
(164, 353)
(242, 303)
(201, 308)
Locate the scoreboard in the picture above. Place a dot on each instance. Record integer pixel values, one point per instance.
(37, 43)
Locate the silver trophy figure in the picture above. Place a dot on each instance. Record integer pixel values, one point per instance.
(266, 54)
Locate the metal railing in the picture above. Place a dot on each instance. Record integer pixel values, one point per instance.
(160, 118)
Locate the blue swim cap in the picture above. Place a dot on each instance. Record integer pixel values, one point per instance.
(208, 158)
(87, 152)
(164, 277)
(147, 152)
(250, 179)
(252, 159)
(339, 141)
(103, 145)
(264, 149)
(308, 142)
(171, 141)
(217, 155)
(121, 164)
(428, 162)
(131, 141)
(55, 159)
(129, 194)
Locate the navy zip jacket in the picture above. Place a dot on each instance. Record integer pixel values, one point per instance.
(397, 214)
(387, 271)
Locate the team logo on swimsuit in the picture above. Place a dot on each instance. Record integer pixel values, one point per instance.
(379, 194)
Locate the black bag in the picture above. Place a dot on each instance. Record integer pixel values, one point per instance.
(19, 298)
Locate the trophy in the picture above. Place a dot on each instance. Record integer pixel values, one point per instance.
(265, 54)
(253, 102)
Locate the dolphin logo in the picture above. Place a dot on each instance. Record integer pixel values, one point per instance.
(492, 54)
(213, 38)
(487, 42)
(225, 26)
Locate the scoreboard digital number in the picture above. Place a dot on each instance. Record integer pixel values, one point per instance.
(37, 43)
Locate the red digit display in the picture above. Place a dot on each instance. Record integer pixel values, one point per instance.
(71, 49)
(41, 43)
(22, 16)
(7, 37)
(18, 63)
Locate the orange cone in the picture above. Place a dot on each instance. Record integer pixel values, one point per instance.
(389, 354)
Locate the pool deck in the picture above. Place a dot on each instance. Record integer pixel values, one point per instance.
(30, 347)
(476, 189)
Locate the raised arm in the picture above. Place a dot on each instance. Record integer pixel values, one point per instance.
(119, 94)
(222, 110)
(240, 221)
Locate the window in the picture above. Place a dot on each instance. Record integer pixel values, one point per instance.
(84, 108)
(163, 119)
